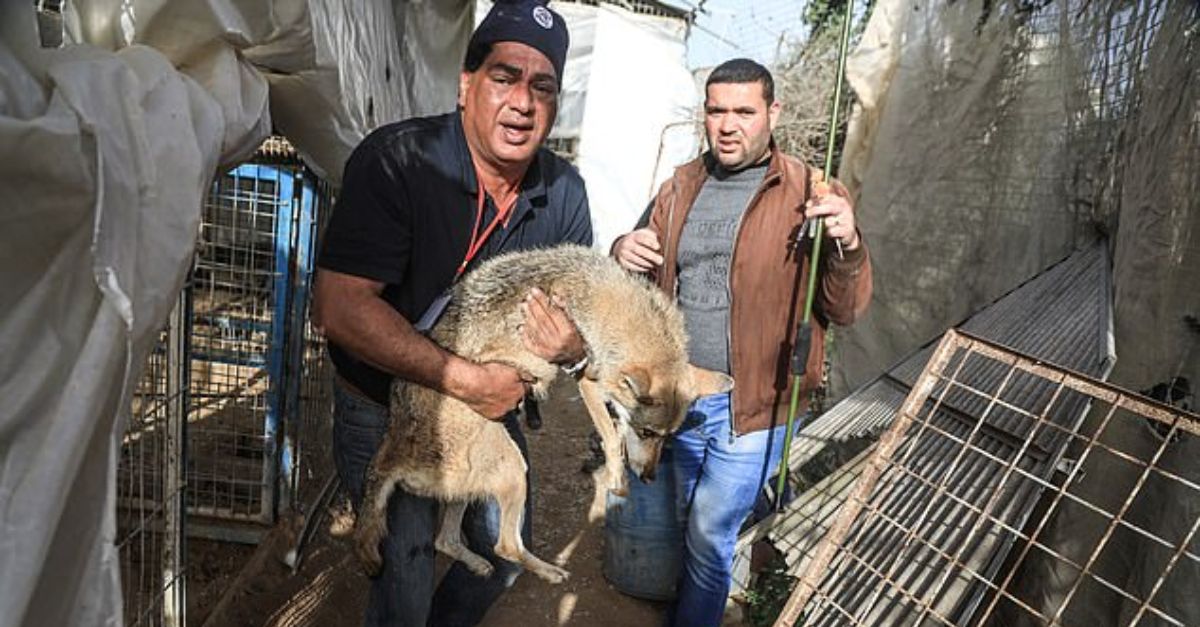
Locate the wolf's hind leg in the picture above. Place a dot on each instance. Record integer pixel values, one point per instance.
(450, 540)
(510, 546)
(506, 482)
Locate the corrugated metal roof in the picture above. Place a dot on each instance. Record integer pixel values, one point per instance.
(1062, 316)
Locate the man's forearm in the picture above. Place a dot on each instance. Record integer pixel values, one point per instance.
(352, 314)
(376, 333)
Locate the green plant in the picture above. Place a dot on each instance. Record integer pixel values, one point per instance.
(770, 592)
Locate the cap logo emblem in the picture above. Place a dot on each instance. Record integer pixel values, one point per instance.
(542, 16)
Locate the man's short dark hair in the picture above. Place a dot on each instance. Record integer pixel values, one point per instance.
(743, 71)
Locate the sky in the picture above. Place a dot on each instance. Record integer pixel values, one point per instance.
(731, 28)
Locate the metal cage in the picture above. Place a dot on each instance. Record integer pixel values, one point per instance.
(250, 296)
(230, 421)
(150, 487)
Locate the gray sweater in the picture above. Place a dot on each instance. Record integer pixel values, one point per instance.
(705, 250)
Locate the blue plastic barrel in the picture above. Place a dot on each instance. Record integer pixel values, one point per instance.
(643, 542)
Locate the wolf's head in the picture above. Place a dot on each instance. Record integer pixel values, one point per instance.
(650, 403)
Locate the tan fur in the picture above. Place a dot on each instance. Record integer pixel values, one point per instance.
(438, 447)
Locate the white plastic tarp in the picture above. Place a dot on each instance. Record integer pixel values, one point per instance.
(108, 151)
(639, 117)
(107, 157)
(333, 70)
(630, 102)
(347, 68)
(990, 141)
(982, 152)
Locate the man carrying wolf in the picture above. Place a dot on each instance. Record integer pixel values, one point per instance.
(423, 201)
(724, 237)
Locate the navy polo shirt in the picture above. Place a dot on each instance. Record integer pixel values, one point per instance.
(405, 214)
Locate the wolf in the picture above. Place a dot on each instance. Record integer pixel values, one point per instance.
(438, 447)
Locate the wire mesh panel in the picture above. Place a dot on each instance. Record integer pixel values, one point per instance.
(312, 417)
(240, 374)
(947, 512)
(240, 309)
(258, 377)
(150, 487)
(1001, 135)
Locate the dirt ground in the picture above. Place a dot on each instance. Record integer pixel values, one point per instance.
(330, 590)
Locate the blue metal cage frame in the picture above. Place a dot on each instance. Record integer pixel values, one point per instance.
(251, 289)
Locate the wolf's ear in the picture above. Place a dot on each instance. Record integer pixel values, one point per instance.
(637, 380)
(710, 381)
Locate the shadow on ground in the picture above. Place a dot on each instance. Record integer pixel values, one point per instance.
(330, 588)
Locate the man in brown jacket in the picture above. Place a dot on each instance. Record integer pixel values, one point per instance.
(724, 238)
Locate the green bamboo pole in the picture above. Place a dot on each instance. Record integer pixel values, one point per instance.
(803, 342)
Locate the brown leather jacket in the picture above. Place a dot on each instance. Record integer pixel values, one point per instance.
(766, 299)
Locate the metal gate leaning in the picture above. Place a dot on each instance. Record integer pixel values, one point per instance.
(946, 514)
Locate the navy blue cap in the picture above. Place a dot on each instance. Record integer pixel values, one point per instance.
(528, 22)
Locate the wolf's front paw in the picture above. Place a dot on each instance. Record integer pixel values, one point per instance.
(618, 483)
(478, 565)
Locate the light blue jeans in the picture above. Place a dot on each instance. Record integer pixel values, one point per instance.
(717, 480)
(404, 592)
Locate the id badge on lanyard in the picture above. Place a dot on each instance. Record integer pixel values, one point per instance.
(434, 311)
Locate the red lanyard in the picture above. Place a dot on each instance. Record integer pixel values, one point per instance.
(478, 239)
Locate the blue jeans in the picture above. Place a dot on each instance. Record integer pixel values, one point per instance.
(717, 480)
(404, 593)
